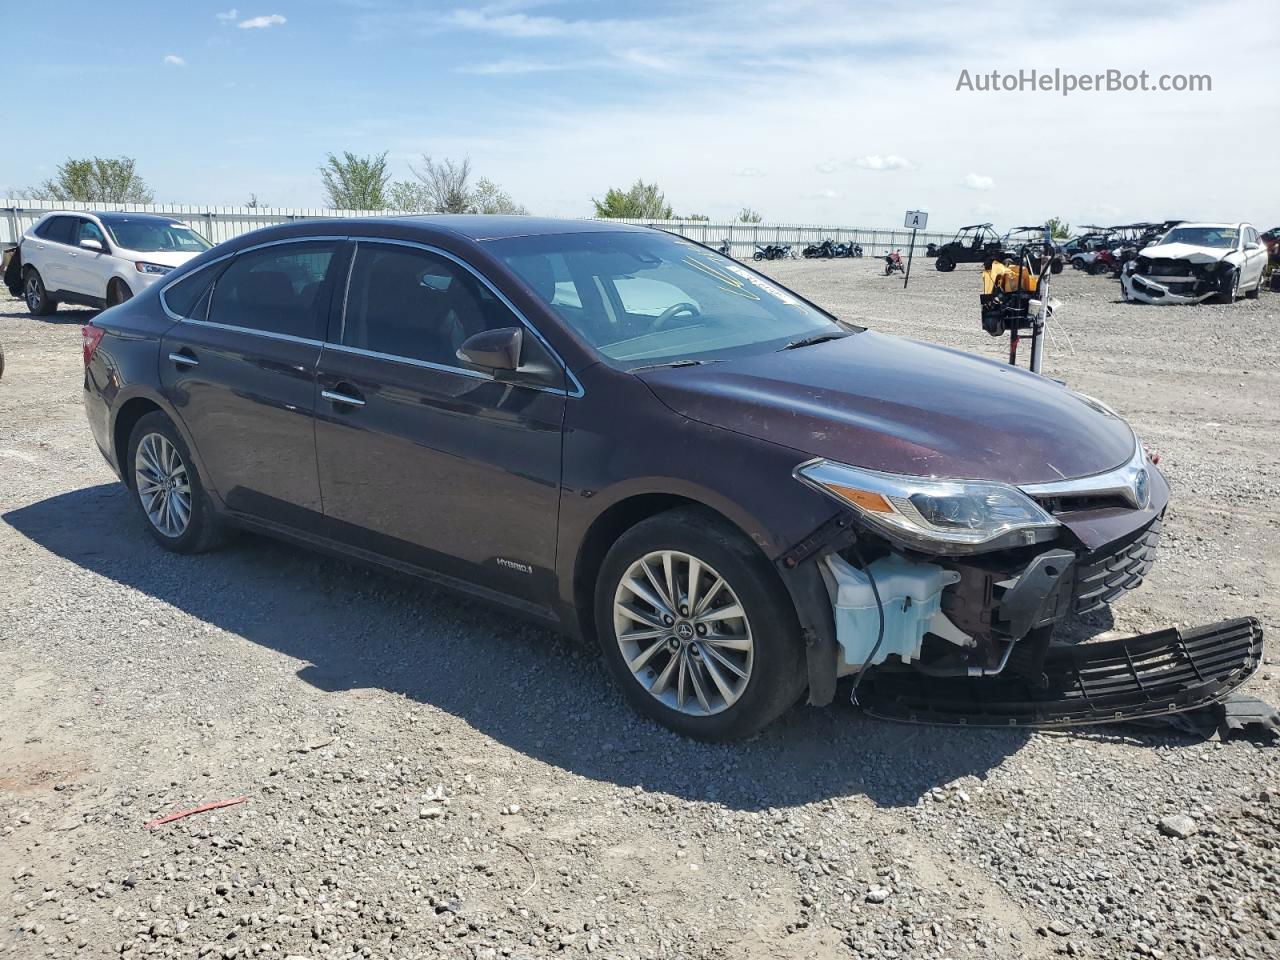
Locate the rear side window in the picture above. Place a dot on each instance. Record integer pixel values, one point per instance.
(412, 303)
(275, 289)
(189, 297)
(58, 230)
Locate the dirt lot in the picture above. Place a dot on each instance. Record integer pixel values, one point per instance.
(427, 777)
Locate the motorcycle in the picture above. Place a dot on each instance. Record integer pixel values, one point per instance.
(821, 251)
(771, 251)
(725, 249)
(893, 264)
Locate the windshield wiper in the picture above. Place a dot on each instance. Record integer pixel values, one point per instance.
(671, 363)
(816, 338)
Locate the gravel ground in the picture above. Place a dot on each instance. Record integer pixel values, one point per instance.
(426, 777)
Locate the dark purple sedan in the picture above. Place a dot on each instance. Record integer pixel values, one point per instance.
(631, 437)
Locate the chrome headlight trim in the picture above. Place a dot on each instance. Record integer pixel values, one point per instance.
(984, 514)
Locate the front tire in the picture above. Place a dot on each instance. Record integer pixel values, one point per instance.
(118, 292)
(37, 297)
(944, 263)
(167, 489)
(696, 629)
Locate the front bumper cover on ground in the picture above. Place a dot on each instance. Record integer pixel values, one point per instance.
(1151, 675)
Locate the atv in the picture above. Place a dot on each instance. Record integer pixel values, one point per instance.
(971, 244)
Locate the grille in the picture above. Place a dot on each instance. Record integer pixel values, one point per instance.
(1105, 574)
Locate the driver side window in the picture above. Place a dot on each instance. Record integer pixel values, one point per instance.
(89, 231)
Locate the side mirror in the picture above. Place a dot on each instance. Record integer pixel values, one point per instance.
(494, 349)
(88, 243)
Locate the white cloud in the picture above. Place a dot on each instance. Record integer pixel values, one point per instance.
(174, 60)
(230, 15)
(976, 181)
(261, 23)
(876, 162)
(498, 68)
(749, 172)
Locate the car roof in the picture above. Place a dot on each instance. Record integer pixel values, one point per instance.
(126, 217)
(480, 226)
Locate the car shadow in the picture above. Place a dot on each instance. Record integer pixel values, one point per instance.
(79, 315)
(518, 683)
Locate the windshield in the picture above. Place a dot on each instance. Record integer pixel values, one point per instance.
(1202, 236)
(652, 298)
(146, 236)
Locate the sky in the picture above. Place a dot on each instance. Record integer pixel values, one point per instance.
(809, 112)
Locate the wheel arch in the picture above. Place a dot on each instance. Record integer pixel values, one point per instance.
(128, 409)
(126, 418)
(615, 520)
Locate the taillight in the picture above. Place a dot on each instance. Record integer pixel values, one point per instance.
(91, 337)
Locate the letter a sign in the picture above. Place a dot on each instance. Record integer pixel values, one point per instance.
(916, 220)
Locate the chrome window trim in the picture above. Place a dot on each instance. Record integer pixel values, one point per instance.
(226, 256)
(427, 364)
(1119, 482)
(288, 337)
(576, 389)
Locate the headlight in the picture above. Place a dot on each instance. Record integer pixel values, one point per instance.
(940, 516)
(159, 269)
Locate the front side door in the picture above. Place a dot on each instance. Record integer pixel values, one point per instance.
(89, 270)
(240, 370)
(423, 458)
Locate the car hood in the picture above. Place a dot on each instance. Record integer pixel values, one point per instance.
(1185, 251)
(165, 258)
(901, 406)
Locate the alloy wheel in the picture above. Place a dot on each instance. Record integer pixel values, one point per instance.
(34, 293)
(163, 485)
(683, 633)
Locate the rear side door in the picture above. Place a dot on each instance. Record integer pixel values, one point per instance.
(52, 251)
(423, 458)
(240, 366)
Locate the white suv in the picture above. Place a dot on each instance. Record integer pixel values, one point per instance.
(100, 259)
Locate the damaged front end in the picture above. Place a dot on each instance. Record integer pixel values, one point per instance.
(962, 630)
(1193, 278)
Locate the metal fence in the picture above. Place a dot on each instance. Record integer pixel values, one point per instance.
(222, 223)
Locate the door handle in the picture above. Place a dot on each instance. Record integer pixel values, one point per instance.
(342, 398)
(184, 360)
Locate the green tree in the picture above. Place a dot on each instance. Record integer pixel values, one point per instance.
(488, 197)
(694, 216)
(356, 183)
(1058, 228)
(642, 201)
(747, 215)
(409, 196)
(97, 180)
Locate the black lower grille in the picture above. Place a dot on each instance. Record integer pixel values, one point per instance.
(1105, 574)
(1150, 675)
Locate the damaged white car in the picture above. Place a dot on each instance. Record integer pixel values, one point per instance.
(1196, 261)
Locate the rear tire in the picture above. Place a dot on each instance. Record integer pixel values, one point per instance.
(39, 304)
(702, 648)
(158, 458)
(1257, 288)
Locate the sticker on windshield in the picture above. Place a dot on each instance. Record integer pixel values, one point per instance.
(757, 281)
